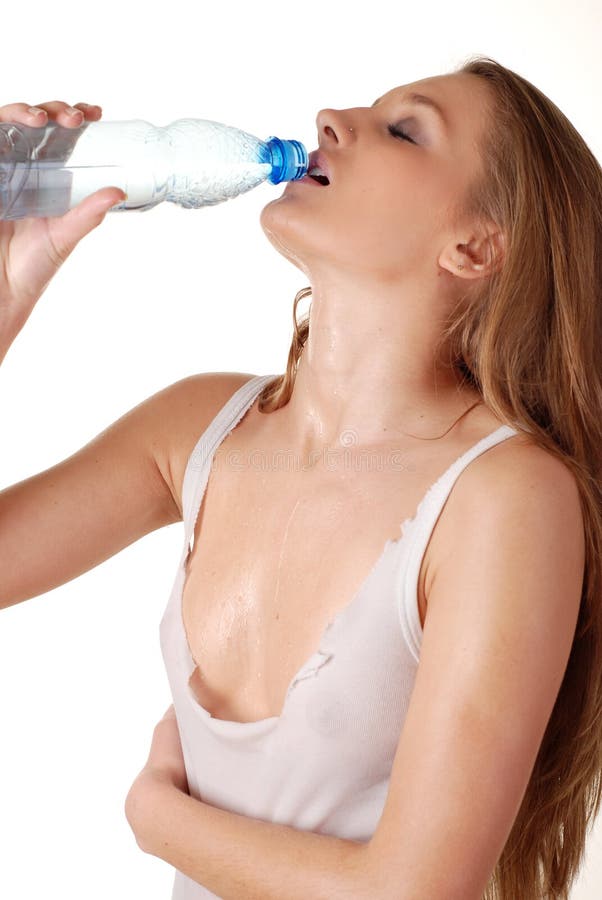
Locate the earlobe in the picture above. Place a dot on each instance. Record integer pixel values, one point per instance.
(476, 255)
(458, 263)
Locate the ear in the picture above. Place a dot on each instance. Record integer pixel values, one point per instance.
(479, 256)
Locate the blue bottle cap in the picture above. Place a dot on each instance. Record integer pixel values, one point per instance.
(289, 159)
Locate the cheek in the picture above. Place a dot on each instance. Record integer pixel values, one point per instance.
(386, 222)
(403, 217)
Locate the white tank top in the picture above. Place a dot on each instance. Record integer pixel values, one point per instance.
(323, 765)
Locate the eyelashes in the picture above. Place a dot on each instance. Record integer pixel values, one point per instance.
(397, 132)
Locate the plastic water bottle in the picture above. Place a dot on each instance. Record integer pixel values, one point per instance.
(192, 162)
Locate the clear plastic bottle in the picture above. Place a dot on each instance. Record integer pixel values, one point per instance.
(192, 162)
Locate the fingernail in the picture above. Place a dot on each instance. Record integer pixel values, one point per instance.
(73, 112)
(35, 110)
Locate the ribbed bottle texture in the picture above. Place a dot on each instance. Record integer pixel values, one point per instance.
(192, 162)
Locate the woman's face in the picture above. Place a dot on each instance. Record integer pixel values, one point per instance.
(387, 212)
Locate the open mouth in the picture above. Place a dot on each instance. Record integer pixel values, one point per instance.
(318, 176)
(318, 170)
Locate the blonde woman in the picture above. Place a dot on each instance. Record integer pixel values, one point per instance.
(383, 641)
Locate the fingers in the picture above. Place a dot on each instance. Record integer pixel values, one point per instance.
(54, 110)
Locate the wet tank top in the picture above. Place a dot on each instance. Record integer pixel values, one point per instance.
(323, 765)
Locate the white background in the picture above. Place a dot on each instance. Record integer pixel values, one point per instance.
(149, 298)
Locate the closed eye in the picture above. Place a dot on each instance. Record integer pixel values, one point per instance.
(397, 132)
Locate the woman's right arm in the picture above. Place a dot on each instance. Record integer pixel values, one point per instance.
(66, 520)
(123, 484)
(127, 481)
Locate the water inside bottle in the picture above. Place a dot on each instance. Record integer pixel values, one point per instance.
(37, 175)
(192, 162)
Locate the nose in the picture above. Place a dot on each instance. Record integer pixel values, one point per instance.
(335, 125)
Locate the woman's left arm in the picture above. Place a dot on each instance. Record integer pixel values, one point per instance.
(502, 611)
(503, 604)
(234, 856)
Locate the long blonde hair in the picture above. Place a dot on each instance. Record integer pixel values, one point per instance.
(531, 343)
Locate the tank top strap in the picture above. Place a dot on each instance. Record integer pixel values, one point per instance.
(199, 462)
(440, 491)
(418, 530)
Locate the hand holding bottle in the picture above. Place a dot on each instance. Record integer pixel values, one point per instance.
(33, 249)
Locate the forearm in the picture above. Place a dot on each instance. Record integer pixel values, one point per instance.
(241, 858)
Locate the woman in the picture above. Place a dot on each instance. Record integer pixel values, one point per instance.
(411, 707)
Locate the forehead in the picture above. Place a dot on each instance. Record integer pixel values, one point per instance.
(445, 88)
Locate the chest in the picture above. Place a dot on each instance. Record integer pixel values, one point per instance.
(278, 554)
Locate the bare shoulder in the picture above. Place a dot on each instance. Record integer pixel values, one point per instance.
(520, 464)
(526, 482)
(516, 480)
(181, 412)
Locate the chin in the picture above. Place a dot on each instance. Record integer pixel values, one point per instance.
(279, 239)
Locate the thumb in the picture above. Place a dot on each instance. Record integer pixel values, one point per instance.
(91, 210)
(69, 229)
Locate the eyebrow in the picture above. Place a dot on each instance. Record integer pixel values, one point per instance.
(422, 100)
